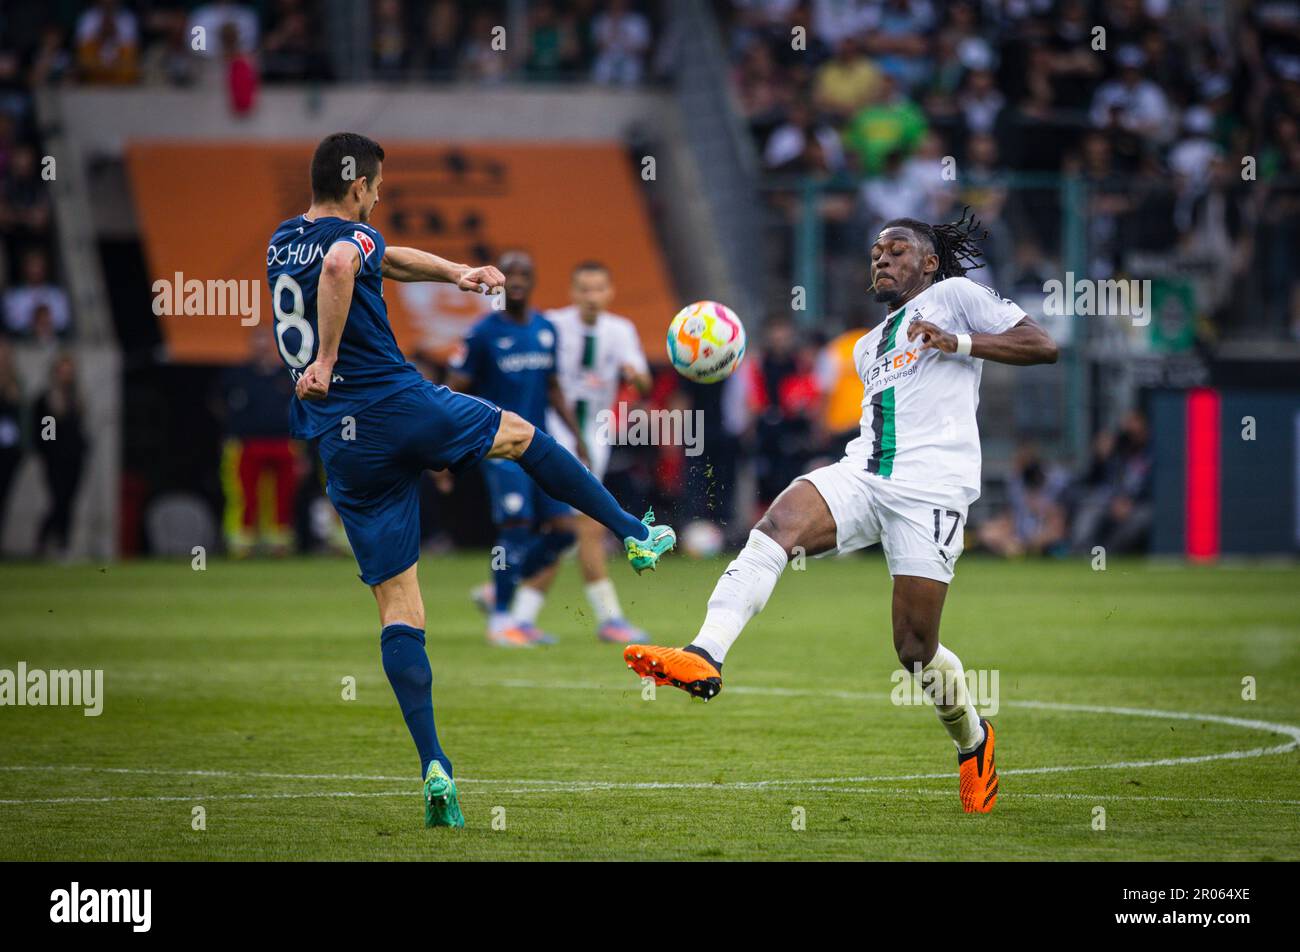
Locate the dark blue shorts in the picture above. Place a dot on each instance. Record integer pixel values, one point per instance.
(515, 497)
(373, 478)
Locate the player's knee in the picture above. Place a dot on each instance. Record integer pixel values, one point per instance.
(412, 615)
(778, 526)
(513, 436)
(913, 648)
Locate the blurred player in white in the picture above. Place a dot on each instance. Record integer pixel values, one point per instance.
(597, 352)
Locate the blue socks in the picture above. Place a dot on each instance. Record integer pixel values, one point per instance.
(517, 543)
(407, 667)
(562, 477)
(546, 548)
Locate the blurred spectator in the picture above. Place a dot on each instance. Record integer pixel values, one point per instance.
(290, 50)
(622, 38)
(241, 74)
(801, 144)
(24, 200)
(1115, 510)
(762, 91)
(51, 62)
(11, 450)
(552, 43)
(389, 40)
(212, 18)
(842, 390)
(61, 443)
(785, 399)
(899, 39)
(108, 44)
(478, 60)
(1132, 101)
(1033, 522)
(911, 188)
(438, 50)
(892, 123)
(846, 82)
(254, 400)
(980, 101)
(170, 59)
(24, 301)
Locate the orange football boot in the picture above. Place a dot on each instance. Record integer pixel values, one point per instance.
(693, 673)
(978, 779)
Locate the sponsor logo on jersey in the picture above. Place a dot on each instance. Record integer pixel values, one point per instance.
(365, 241)
(537, 360)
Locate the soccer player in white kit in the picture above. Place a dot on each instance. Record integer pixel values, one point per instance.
(906, 481)
(596, 352)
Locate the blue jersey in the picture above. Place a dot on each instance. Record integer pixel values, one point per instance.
(511, 364)
(370, 365)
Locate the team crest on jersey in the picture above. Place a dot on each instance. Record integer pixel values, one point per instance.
(545, 338)
(365, 241)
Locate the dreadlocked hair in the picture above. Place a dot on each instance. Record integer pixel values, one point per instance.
(956, 243)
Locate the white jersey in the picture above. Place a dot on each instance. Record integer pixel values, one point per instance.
(589, 363)
(918, 407)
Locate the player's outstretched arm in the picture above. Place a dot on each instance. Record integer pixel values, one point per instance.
(1023, 345)
(338, 275)
(412, 264)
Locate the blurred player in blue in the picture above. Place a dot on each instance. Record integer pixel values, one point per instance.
(510, 359)
(378, 424)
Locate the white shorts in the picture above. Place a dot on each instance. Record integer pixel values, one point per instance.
(920, 527)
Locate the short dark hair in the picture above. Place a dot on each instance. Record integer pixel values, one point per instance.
(590, 265)
(328, 183)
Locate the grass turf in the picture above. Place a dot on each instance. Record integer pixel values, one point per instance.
(224, 690)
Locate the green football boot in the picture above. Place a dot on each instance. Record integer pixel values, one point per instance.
(441, 808)
(644, 554)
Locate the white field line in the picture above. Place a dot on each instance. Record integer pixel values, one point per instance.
(839, 784)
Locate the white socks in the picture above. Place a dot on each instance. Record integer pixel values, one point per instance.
(604, 601)
(741, 593)
(527, 604)
(946, 683)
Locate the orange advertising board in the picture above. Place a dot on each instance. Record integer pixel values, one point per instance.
(207, 211)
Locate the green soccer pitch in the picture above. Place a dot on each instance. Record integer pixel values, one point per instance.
(1122, 728)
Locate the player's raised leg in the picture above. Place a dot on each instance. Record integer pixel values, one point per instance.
(798, 518)
(562, 477)
(401, 614)
(917, 608)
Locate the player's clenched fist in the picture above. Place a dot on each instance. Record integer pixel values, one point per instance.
(314, 384)
(487, 280)
(932, 337)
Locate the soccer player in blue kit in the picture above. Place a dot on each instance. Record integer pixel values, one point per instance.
(510, 359)
(378, 424)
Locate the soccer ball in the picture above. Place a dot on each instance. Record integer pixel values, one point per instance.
(702, 539)
(706, 342)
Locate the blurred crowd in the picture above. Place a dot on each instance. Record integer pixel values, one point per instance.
(174, 42)
(1181, 121)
